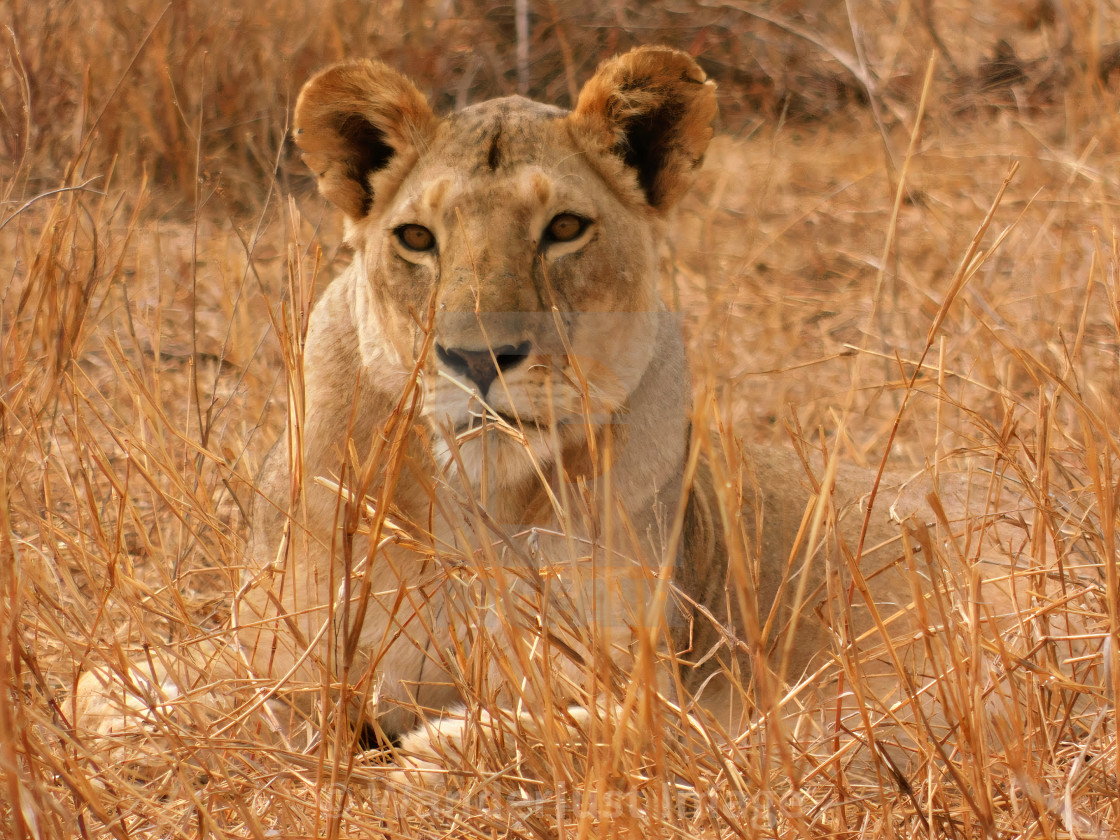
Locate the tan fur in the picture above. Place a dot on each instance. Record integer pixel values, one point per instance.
(603, 356)
(580, 476)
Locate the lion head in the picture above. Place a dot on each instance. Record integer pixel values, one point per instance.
(509, 251)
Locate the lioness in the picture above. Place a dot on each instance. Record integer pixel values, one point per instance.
(491, 469)
(506, 262)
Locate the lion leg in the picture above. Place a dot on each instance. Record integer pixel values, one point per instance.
(462, 743)
(137, 712)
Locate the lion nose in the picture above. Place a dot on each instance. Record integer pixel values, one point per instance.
(482, 366)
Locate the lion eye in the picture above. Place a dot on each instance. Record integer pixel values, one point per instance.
(565, 227)
(415, 237)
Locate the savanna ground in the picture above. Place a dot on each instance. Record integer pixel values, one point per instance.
(915, 283)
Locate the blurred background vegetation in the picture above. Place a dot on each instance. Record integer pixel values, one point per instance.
(196, 96)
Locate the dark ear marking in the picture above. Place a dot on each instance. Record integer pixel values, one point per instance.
(371, 153)
(646, 146)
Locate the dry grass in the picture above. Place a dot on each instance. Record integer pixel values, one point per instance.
(157, 275)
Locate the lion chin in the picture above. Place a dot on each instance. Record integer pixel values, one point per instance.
(495, 450)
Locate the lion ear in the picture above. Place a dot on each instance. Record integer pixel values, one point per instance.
(355, 119)
(653, 107)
